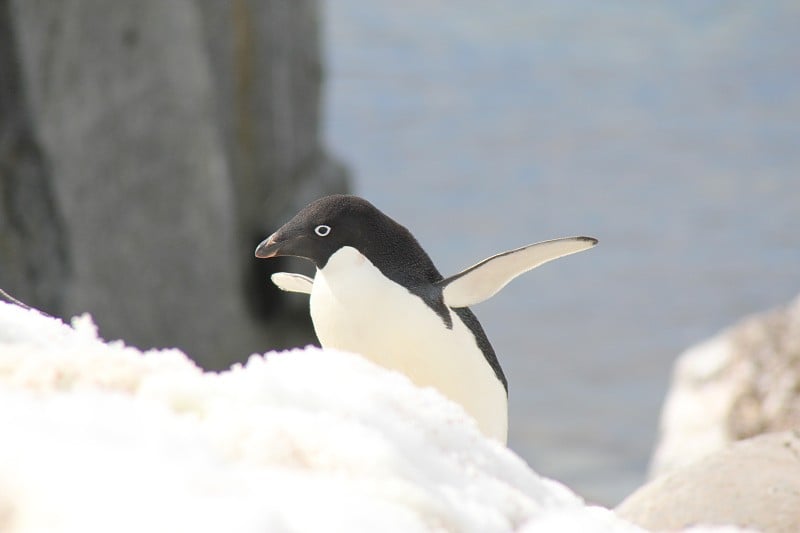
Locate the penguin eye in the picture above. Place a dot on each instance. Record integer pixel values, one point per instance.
(322, 230)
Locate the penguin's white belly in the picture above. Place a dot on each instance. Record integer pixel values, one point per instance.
(355, 308)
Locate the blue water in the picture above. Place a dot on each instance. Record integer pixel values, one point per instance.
(668, 130)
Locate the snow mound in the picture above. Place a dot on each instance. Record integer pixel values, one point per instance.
(98, 436)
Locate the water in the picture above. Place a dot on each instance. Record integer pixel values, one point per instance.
(670, 131)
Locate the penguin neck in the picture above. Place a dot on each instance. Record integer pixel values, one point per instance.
(343, 260)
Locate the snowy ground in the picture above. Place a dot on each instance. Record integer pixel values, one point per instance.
(97, 436)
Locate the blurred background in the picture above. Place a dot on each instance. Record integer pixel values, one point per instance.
(145, 148)
(668, 130)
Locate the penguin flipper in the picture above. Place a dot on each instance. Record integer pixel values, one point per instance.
(291, 282)
(483, 280)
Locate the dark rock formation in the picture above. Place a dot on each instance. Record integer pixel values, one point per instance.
(178, 134)
(32, 235)
(267, 64)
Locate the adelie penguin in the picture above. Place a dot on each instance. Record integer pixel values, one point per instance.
(377, 293)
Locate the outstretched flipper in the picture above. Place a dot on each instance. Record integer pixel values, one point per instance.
(291, 282)
(483, 280)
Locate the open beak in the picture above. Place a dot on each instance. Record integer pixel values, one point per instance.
(269, 247)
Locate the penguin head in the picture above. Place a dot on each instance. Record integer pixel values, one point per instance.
(326, 225)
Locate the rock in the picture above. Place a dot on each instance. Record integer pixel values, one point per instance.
(754, 484)
(267, 62)
(268, 100)
(122, 98)
(33, 249)
(741, 383)
(178, 134)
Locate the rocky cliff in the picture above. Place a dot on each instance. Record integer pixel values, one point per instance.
(146, 148)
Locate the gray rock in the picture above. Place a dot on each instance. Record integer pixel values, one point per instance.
(754, 484)
(33, 249)
(741, 383)
(267, 63)
(122, 98)
(178, 135)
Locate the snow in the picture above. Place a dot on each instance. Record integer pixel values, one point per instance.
(98, 436)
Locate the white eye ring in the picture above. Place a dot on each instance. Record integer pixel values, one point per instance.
(322, 230)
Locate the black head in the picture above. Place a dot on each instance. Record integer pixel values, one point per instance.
(326, 225)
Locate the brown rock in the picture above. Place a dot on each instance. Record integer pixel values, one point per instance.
(754, 484)
(741, 383)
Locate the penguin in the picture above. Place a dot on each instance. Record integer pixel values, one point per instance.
(377, 293)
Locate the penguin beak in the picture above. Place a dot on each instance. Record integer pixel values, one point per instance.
(269, 247)
(285, 241)
(288, 240)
